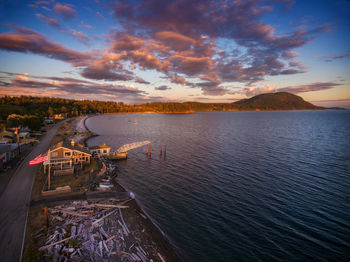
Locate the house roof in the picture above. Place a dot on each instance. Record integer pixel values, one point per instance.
(99, 147)
(76, 147)
(5, 148)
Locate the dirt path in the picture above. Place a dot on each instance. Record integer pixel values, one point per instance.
(15, 201)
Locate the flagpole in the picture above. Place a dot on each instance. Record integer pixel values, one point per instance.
(49, 176)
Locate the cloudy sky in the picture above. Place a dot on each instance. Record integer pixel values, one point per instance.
(181, 50)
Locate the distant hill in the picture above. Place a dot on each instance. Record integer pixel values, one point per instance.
(276, 101)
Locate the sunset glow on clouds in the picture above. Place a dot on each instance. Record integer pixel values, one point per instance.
(137, 51)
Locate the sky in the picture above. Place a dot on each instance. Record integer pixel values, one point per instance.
(181, 50)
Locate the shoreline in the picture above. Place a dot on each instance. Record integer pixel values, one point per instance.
(157, 233)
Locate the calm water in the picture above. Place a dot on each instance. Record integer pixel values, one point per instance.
(241, 186)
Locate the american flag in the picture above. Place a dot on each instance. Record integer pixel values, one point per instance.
(39, 159)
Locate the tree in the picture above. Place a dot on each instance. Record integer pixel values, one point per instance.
(50, 111)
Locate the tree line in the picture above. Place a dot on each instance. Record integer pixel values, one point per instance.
(48, 107)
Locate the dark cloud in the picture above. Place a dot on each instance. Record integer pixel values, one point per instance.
(330, 58)
(181, 40)
(26, 40)
(175, 78)
(49, 20)
(38, 4)
(109, 75)
(319, 86)
(67, 86)
(215, 90)
(65, 11)
(291, 72)
(141, 80)
(162, 88)
(172, 31)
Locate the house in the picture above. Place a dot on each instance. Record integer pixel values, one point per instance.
(102, 150)
(64, 157)
(5, 153)
(23, 135)
(59, 116)
(10, 151)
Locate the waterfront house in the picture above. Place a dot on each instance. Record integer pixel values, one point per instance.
(102, 150)
(64, 157)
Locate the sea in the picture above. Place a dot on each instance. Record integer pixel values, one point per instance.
(240, 186)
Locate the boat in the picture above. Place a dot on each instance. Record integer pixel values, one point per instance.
(106, 180)
(106, 185)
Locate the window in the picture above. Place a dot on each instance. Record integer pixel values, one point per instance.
(67, 153)
(54, 154)
(104, 151)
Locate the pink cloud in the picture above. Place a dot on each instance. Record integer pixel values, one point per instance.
(126, 42)
(80, 36)
(65, 11)
(253, 91)
(175, 40)
(49, 20)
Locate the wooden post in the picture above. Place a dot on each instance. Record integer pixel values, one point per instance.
(150, 150)
(46, 212)
(161, 148)
(164, 149)
(147, 149)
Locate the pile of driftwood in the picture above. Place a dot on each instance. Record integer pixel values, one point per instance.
(94, 231)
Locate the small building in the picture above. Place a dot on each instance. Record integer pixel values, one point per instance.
(59, 116)
(65, 156)
(10, 151)
(101, 150)
(5, 153)
(48, 121)
(23, 135)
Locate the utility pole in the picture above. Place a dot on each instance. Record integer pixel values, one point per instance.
(16, 133)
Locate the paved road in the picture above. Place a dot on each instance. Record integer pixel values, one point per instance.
(15, 202)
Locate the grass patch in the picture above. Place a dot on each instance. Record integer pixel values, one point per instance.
(63, 132)
(74, 242)
(39, 182)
